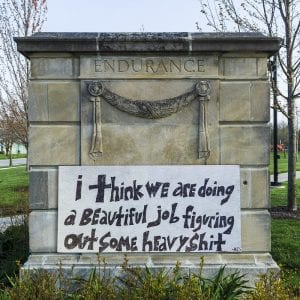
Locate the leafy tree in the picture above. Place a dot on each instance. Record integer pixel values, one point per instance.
(273, 18)
(17, 18)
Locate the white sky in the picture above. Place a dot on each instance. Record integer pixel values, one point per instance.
(125, 16)
(122, 15)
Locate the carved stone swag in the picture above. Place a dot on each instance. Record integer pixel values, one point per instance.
(149, 110)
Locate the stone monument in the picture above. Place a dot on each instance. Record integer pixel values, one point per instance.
(151, 144)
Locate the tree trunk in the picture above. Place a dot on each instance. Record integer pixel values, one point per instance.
(292, 156)
(10, 157)
(292, 113)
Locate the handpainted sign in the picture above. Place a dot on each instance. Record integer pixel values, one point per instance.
(149, 209)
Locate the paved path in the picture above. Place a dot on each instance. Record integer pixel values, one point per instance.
(284, 176)
(16, 162)
(8, 221)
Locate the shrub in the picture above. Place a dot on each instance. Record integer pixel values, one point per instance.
(274, 286)
(142, 283)
(14, 250)
(99, 285)
(35, 285)
(134, 283)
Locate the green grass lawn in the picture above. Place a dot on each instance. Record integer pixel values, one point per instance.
(13, 188)
(286, 238)
(279, 195)
(282, 163)
(3, 156)
(286, 248)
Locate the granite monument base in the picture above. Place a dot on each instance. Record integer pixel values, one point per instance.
(81, 265)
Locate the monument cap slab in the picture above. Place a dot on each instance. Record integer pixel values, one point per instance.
(183, 42)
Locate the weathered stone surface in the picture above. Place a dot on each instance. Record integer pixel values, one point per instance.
(252, 265)
(38, 102)
(244, 101)
(244, 67)
(256, 231)
(52, 188)
(38, 189)
(260, 109)
(240, 67)
(234, 101)
(239, 145)
(150, 90)
(54, 68)
(47, 99)
(54, 145)
(43, 231)
(151, 259)
(148, 67)
(43, 188)
(142, 144)
(133, 140)
(254, 188)
(144, 42)
(262, 67)
(66, 96)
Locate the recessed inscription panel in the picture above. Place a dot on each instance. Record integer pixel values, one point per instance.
(152, 67)
(149, 209)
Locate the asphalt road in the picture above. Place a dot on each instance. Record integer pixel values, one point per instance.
(284, 176)
(16, 162)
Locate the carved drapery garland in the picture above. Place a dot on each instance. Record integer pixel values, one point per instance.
(149, 110)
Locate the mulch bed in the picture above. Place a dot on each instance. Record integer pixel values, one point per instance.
(281, 212)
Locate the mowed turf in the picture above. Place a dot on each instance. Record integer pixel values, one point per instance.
(3, 156)
(286, 249)
(13, 187)
(285, 238)
(279, 195)
(282, 163)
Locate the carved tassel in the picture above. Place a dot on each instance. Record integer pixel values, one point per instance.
(95, 89)
(203, 90)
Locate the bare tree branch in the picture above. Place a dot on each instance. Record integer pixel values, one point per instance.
(272, 17)
(17, 18)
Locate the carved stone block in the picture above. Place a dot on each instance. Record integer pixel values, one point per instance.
(56, 145)
(54, 67)
(245, 145)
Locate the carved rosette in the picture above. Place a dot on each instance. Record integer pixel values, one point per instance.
(148, 109)
(203, 90)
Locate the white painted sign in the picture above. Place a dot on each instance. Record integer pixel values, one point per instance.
(149, 209)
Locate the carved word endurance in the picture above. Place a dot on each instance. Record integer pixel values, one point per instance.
(150, 65)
